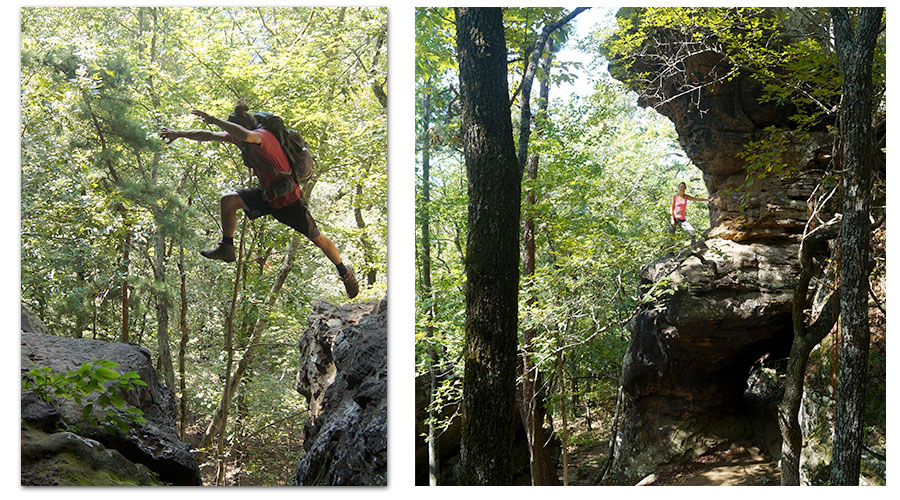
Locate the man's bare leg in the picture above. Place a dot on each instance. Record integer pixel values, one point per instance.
(228, 207)
(327, 248)
(331, 251)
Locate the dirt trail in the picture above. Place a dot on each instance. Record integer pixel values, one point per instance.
(735, 467)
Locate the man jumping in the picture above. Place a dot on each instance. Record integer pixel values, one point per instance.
(261, 152)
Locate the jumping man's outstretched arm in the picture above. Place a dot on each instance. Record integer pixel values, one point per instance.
(195, 135)
(232, 132)
(238, 133)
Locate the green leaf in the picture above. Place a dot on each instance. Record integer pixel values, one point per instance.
(118, 401)
(107, 374)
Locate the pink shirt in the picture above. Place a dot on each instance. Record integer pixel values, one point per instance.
(679, 207)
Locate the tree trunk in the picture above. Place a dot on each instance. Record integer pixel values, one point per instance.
(806, 337)
(492, 248)
(528, 81)
(368, 257)
(250, 351)
(164, 359)
(125, 247)
(227, 392)
(543, 473)
(182, 345)
(562, 410)
(80, 315)
(434, 452)
(855, 50)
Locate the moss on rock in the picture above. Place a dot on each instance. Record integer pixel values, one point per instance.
(67, 459)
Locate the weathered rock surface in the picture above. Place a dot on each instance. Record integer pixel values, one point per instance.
(343, 375)
(155, 444)
(686, 371)
(67, 459)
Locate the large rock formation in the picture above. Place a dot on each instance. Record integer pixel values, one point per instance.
(154, 444)
(686, 372)
(343, 375)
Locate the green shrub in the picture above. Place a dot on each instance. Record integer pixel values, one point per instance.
(76, 385)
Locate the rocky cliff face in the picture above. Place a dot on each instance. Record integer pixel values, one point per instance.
(343, 375)
(151, 446)
(686, 372)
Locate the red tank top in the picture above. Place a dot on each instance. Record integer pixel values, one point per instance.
(269, 150)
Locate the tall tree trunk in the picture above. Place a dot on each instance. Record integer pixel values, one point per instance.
(368, 257)
(855, 50)
(543, 473)
(164, 359)
(240, 432)
(250, 351)
(562, 407)
(806, 337)
(182, 345)
(528, 81)
(434, 451)
(126, 264)
(492, 250)
(80, 315)
(229, 357)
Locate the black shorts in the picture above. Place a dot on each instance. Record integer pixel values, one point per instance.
(295, 215)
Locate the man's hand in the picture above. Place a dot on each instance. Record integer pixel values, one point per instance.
(169, 135)
(203, 114)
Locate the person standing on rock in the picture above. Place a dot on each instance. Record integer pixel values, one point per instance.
(678, 215)
(261, 149)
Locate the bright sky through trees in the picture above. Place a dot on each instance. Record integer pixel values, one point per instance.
(584, 24)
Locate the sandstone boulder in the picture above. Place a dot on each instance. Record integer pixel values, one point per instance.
(67, 459)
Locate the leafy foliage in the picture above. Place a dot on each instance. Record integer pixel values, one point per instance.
(97, 381)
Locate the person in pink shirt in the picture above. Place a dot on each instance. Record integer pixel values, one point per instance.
(678, 212)
(276, 195)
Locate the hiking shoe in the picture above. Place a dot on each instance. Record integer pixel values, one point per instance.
(222, 252)
(349, 279)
